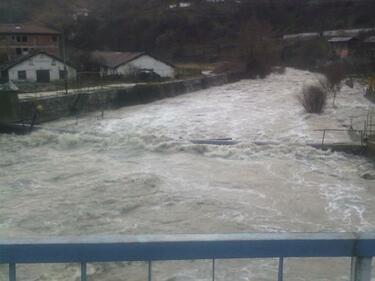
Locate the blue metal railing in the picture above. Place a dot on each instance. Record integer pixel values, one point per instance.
(149, 248)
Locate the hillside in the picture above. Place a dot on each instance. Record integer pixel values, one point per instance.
(203, 29)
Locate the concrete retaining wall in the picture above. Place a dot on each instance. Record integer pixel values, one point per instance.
(371, 149)
(64, 106)
(72, 104)
(8, 106)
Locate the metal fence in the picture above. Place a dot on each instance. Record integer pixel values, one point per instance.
(360, 134)
(367, 133)
(369, 125)
(149, 248)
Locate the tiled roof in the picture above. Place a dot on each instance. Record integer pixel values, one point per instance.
(340, 39)
(115, 59)
(26, 29)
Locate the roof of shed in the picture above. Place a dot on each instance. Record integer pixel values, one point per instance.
(308, 35)
(347, 32)
(341, 39)
(115, 59)
(26, 29)
(26, 57)
(370, 39)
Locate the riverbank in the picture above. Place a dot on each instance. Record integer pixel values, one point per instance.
(56, 105)
(136, 171)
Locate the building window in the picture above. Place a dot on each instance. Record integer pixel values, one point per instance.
(19, 51)
(22, 75)
(24, 38)
(18, 38)
(25, 51)
(54, 38)
(62, 74)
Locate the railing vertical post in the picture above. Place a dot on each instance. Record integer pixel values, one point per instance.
(149, 271)
(83, 271)
(324, 135)
(361, 269)
(280, 274)
(12, 272)
(213, 269)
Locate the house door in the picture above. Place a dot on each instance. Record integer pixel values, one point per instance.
(43, 76)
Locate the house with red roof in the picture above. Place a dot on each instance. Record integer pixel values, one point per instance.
(22, 39)
(128, 63)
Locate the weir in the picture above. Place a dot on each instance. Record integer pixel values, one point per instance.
(149, 248)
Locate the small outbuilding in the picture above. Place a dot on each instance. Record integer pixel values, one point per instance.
(129, 63)
(344, 47)
(38, 67)
(369, 47)
(301, 36)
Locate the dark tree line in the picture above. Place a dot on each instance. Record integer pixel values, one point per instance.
(203, 31)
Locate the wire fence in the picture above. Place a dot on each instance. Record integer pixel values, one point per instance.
(90, 81)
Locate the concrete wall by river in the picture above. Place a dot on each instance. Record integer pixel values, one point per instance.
(69, 105)
(8, 107)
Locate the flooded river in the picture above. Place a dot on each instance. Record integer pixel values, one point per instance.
(137, 172)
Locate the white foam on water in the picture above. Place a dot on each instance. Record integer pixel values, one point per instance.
(137, 172)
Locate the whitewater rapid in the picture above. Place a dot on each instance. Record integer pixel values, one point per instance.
(137, 172)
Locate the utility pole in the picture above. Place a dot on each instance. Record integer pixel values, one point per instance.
(64, 59)
(111, 25)
(11, 14)
(64, 47)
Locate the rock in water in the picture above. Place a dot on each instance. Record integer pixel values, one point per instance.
(368, 176)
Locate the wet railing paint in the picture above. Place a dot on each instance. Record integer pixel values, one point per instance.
(149, 248)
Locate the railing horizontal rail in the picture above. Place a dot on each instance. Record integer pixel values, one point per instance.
(338, 130)
(186, 247)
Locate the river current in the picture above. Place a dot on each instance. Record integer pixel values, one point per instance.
(136, 171)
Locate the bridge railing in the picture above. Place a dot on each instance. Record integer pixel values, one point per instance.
(149, 248)
(361, 134)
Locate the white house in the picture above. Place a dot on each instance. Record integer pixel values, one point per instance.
(37, 67)
(126, 63)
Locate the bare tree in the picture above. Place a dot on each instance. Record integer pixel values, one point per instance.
(313, 99)
(257, 49)
(334, 75)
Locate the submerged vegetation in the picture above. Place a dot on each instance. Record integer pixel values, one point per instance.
(334, 75)
(313, 98)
